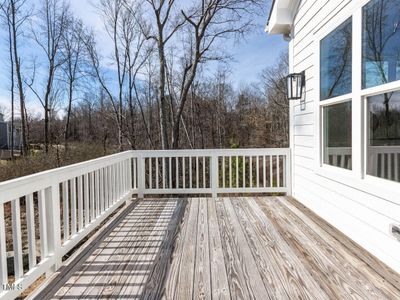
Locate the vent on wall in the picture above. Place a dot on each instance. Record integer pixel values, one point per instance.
(395, 231)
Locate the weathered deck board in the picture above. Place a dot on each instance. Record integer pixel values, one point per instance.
(288, 277)
(202, 276)
(339, 254)
(184, 289)
(339, 273)
(243, 261)
(225, 248)
(219, 280)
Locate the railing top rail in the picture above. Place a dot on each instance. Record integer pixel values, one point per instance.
(21, 186)
(210, 152)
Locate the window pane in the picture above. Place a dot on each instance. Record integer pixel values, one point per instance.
(335, 65)
(384, 136)
(381, 42)
(337, 135)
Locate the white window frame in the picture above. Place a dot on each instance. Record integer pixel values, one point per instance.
(320, 167)
(357, 177)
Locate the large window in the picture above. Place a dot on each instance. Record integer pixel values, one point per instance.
(381, 42)
(335, 62)
(380, 65)
(337, 135)
(384, 136)
(360, 84)
(336, 83)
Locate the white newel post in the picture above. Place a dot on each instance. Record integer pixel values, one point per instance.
(288, 170)
(214, 175)
(141, 176)
(52, 196)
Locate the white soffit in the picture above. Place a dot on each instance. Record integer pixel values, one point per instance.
(281, 16)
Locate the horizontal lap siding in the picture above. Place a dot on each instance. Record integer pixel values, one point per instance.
(363, 217)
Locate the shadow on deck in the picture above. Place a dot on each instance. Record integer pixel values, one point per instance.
(226, 248)
(128, 260)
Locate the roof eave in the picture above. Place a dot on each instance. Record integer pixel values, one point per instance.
(280, 20)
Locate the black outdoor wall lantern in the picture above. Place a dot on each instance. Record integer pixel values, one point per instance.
(295, 85)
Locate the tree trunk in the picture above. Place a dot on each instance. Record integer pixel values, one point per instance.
(161, 97)
(12, 85)
(66, 133)
(24, 146)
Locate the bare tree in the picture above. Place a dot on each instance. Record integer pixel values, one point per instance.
(113, 12)
(208, 22)
(8, 21)
(16, 15)
(273, 81)
(138, 52)
(166, 25)
(73, 67)
(53, 16)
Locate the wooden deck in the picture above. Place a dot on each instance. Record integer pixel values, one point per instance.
(227, 248)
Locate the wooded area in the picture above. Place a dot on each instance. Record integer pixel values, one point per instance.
(166, 85)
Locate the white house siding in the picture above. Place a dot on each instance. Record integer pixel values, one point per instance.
(363, 216)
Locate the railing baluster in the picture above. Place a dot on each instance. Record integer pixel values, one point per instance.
(80, 203)
(284, 170)
(214, 175)
(118, 182)
(244, 171)
(135, 179)
(264, 172)
(163, 172)
(157, 176)
(124, 176)
(230, 171)
(102, 190)
(92, 197)
(237, 171)
(42, 224)
(52, 196)
(98, 193)
(251, 170)
(271, 174)
(65, 210)
(204, 172)
(223, 171)
(150, 173)
(115, 179)
(113, 185)
(86, 198)
(190, 172)
(197, 172)
(17, 241)
(108, 184)
(177, 172)
(183, 172)
(73, 206)
(170, 172)
(3, 248)
(30, 224)
(278, 175)
(257, 170)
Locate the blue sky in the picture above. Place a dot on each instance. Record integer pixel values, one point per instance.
(250, 56)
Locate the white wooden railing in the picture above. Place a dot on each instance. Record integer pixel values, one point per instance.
(45, 215)
(213, 171)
